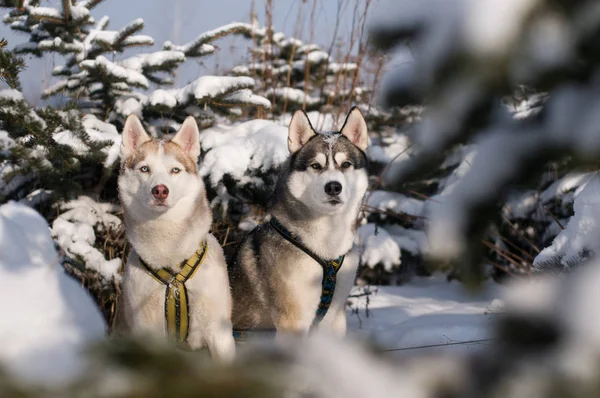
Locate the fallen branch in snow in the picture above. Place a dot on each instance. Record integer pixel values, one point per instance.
(420, 347)
(366, 292)
(554, 218)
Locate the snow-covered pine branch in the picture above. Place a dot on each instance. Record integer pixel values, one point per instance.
(200, 45)
(283, 65)
(201, 98)
(490, 58)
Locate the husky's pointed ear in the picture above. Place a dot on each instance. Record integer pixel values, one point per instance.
(188, 138)
(134, 135)
(300, 131)
(355, 129)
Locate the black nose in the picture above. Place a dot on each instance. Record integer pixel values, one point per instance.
(333, 188)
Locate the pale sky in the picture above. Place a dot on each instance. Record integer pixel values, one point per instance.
(182, 20)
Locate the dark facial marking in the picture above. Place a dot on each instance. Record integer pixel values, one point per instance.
(354, 155)
(305, 157)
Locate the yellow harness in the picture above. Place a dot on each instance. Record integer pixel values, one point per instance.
(176, 298)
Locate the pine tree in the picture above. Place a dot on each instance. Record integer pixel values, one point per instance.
(10, 66)
(464, 86)
(112, 89)
(294, 74)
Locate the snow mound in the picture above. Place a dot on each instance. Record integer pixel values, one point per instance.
(396, 202)
(242, 149)
(220, 90)
(11, 95)
(46, 318)
(377, 247)
(74, 233)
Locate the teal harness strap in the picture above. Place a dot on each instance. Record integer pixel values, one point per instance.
(330, 269)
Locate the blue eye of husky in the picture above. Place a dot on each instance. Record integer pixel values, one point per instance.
(316, 166)
(144, 169)
(175, 170)
(345, 165)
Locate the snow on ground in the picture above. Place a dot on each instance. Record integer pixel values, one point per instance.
(425, 311)
(45, 317)
(377, 247)
(55, 316)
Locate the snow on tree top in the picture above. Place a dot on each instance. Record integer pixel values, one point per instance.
(53, 309)
(293, 95)
(141, 62)
(60, 46)
(138, 40)
(317, 57)
(260, 67)
(128, 106)
(206, 87)
(199, 46)
(97, 131)
(46, 12)
(246, 97)
(112, 38)
(163, 98)
(79, 12)
(118, 72)
(307, 48)
(335, 67)
(11, 94)
(6, 142)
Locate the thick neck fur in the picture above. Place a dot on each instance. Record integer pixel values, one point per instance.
(167, 239)
(328, 236)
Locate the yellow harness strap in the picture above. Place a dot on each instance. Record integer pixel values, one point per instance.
(176, 298)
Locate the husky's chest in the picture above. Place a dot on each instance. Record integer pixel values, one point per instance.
(146, 297)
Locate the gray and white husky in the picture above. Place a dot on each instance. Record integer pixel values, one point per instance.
(275, 283)
(167, 221)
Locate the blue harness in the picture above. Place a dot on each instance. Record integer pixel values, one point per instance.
(330, 269)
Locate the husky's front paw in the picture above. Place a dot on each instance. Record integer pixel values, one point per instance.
(339, 325)
(221, 343)
(286, 336)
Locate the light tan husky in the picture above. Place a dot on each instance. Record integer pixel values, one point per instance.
(175, 280)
